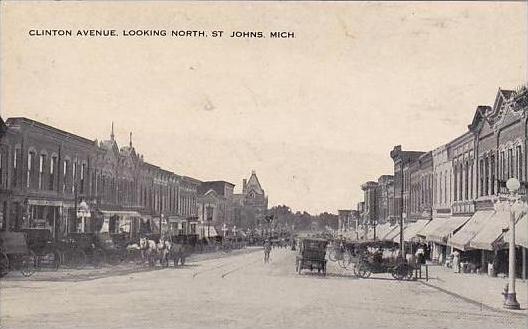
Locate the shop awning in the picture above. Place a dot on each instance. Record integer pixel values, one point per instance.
(390, 232)
(474, 225)
(491, 233)
(521, 232)
(394, 234)
(410, 232)
(110, 213)
(446, 227)
(382, 230)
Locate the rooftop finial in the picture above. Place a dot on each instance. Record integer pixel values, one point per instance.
(130, 139)
(112, 134)
(253, 172)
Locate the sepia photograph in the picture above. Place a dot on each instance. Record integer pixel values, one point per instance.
(263, 164)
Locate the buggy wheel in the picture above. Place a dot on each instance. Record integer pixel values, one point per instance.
(401, 271)
(332, 255)
(51, 260)
(74, 258)
(4, 264)
(98, 257)
(28, 264)
(345, 260)
(363, 271)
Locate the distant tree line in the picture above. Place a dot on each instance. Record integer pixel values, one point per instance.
(284, 217)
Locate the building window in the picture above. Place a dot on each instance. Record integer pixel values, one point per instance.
(41, 171)
(31, 160)
(74, 176)
(15, 167)
(466, 182)
(481, 178)
(487, 175)
(492, 174)
(65, 175)
(53, 165)
(455, 183)
(83, 171)
(502, 166)
(2, 169)
(519, 163)
(510, 164)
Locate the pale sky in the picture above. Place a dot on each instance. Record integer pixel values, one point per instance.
(315, 116)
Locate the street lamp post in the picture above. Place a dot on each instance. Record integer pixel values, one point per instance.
(510, 300)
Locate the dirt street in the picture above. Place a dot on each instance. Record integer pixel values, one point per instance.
(240, 291)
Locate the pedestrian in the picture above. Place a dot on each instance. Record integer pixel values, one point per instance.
(420, 255)
(267, 250)
(456, 261)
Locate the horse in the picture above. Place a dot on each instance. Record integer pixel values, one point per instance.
(163, 249)
(149, 250)
(177, 253)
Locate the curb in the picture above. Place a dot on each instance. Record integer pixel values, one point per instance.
(475, 302)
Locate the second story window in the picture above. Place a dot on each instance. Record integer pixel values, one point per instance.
(65, 175)
(83, 170)
(41, 171)
(74, 176)
(2, 179)
(53, 166)
(29, 174)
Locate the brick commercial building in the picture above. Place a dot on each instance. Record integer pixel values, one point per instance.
(47, 172)
(453, 188)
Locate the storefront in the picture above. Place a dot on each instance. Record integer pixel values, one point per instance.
(490, 241)
(438, 232)
(121, 222)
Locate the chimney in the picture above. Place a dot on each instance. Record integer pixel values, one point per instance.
(244, 186)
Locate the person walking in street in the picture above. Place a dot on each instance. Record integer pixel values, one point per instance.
(456, 261)
(267, 250)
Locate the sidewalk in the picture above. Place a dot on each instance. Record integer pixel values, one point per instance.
(91, 273)
(476, 288)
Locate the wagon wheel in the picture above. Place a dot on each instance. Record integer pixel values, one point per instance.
(4, 264)
(74, 258)
(345, 260)
(400, 272)
(28, 264)
(363, 271)
(115, 257)
(98, 257)
(332, 255)
(51, 259)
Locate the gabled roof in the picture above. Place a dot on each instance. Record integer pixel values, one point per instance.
(254, 184)
(480, 115)
(3, 127)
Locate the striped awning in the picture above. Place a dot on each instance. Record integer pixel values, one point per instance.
(490, 236)
(474, 225)
(444, 228)
(521, 233)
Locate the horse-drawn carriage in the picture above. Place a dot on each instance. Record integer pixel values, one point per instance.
(377, 257)
(312, 253)
(46, 252)
(79, 249)
(15, 254)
